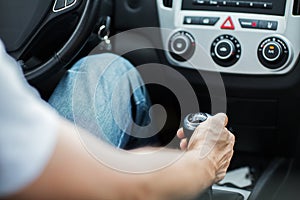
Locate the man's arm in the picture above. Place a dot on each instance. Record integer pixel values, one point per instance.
(73, 173)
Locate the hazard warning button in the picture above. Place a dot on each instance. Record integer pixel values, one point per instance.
(228, 24)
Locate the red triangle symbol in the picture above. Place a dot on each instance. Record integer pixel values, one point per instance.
(228, 24)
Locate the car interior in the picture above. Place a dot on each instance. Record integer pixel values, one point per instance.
(240, 57)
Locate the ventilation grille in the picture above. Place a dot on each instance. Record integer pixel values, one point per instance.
(168, 3)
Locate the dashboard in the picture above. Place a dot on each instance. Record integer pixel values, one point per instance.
(241, 37)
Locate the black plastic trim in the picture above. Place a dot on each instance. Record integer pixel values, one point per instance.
(168, 3)
(129, 16)
(296, 8)
(270, 180)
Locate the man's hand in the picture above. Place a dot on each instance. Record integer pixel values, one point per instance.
(213, 141)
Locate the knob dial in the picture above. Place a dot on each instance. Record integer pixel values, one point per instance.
(226, 50)
(182, 46)
(273, 53)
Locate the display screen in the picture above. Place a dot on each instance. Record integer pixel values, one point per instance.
(270, 7)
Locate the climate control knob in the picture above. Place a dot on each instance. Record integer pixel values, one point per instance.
(273, 53)
(225, 50)
(182, 46)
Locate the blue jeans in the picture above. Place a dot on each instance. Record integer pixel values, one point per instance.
(91, 96)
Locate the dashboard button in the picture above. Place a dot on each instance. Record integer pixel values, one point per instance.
(257, 5)
(265, 5)
(201, 2)
(245, 4)
(228, 24)
(222, 3)
(269, 5)
(208, 20)
(213, 3)
(238, 4)
(251, 4)
(249, 23)
(231, 3)
(270, 25)
(191, 20)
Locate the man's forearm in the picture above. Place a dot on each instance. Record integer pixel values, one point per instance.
(73, 173)
(184, 179)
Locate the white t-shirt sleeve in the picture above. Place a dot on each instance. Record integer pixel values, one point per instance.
(28, 129)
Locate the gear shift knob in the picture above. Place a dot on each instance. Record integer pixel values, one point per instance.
(190, 123)
(192, 120)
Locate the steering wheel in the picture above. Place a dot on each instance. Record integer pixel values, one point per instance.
(33, 17)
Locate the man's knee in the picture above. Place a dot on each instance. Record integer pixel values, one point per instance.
(105, 63)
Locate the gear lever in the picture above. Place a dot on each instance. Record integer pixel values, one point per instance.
(192, 120)
(190, 123)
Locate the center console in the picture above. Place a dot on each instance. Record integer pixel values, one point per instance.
(231, 36)
(256, 46)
